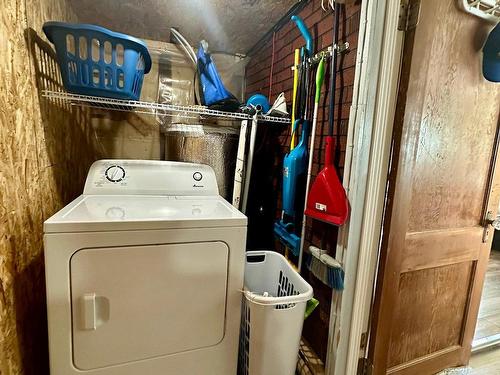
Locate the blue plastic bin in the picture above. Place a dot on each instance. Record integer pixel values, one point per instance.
(98, 62)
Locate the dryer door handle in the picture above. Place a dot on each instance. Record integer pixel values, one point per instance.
(93, 311)
(88, 311)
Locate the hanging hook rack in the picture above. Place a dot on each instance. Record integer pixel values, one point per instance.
(328, 52)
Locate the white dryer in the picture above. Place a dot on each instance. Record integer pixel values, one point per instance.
(144, 273)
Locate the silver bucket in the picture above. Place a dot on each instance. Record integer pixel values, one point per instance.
(215, 146)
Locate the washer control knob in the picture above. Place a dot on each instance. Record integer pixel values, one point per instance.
(197, 176)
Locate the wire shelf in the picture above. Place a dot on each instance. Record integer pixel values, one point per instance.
(152, 108)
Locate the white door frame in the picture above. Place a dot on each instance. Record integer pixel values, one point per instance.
(371, 120)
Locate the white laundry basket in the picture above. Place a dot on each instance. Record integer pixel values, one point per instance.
(272, 315)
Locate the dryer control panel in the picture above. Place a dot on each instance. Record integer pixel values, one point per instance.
(150, 177)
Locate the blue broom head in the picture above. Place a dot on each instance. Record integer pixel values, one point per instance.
(336, 278)
(325, 268)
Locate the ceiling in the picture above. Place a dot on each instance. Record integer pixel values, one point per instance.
(228, 25)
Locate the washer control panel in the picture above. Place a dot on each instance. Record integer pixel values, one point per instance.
(148, 177)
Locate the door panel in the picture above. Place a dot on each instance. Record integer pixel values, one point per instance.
(139, 302)
(441, 184)
(455, 245)
(429, 316)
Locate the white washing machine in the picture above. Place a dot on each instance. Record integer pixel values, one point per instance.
(144, 273)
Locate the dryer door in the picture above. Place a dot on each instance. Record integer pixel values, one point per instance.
(133, 303)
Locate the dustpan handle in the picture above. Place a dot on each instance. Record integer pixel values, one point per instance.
(333, 69)
(329, 150)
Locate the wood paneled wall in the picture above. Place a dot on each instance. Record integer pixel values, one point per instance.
(45, 151)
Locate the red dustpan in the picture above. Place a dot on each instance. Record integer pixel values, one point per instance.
(327, 200)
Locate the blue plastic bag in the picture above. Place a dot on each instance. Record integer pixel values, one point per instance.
(213, 92)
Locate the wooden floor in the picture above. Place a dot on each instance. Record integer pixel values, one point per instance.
(488, 322)
(485, 363)
(488, 362)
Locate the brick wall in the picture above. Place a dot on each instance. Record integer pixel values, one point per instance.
(286, 39)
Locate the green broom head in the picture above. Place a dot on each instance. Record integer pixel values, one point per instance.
(326, 268)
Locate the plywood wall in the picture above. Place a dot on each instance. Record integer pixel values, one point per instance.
(45, 151)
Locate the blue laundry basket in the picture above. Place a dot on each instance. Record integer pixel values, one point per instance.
(98, 62)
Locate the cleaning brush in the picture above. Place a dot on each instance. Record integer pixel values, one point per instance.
(326, 268)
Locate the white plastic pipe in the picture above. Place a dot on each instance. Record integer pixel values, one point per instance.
(185, 45)
(248, 175)
(240, 164)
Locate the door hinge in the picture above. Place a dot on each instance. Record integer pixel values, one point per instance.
(363, 341)
(409, 14)
(365, 367)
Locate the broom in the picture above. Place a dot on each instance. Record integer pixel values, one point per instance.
(326, 268)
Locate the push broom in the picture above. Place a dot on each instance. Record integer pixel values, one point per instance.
(326, 268)
(321, 265)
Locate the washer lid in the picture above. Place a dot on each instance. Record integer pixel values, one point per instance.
(91, 213)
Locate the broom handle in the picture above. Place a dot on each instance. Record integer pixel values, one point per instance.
(333, 69)
(320, 76)
(309, 169)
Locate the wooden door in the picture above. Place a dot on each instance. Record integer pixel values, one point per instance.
(441, 184)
